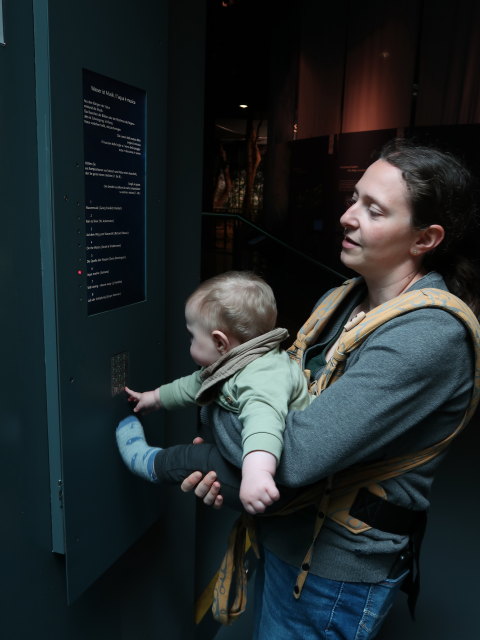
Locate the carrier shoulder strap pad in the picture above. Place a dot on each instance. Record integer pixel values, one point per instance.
(359, 328)
(317, 321)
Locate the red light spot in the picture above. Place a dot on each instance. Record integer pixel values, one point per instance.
(79, 272)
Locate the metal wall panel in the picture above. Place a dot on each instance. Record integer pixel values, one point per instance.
(98, 508)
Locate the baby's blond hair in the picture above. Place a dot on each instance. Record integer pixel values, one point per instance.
(239, 303)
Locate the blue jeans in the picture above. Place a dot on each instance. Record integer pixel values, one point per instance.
(326, 609)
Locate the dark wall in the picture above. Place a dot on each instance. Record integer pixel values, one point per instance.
(149, 591)
(24, 490)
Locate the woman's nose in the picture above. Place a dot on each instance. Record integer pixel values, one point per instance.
(349, 218)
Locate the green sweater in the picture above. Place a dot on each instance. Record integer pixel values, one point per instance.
(261, 394)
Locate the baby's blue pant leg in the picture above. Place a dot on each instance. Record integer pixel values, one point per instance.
(136, 453)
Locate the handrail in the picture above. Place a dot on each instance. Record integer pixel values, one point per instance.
(277, 240)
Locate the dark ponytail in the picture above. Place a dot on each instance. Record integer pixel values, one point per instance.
(442, 191)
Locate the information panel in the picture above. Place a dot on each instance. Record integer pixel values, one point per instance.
(114, 146)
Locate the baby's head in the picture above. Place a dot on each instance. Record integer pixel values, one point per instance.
(227, 310)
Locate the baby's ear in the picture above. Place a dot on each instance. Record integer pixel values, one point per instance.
(221, 342)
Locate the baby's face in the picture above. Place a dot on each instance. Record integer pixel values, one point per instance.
(203, 348)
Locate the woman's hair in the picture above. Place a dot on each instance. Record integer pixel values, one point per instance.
(239, 303)
(441, 191)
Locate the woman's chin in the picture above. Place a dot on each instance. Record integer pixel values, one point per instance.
(348, 260)
(350, 263)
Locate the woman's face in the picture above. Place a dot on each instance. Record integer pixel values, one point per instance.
(379, 237)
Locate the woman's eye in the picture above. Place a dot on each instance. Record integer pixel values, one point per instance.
(374, 211)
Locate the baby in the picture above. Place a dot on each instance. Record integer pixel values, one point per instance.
(231, 320)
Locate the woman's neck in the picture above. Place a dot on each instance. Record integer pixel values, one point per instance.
(380, 292)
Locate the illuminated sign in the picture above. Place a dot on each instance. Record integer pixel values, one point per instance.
(114, 146)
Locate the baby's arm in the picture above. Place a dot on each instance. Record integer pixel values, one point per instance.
(264, 388)
(145, 401)
(178, 393)
(258, 489)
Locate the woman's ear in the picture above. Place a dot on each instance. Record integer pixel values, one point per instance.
(428, 239)
(221, 341)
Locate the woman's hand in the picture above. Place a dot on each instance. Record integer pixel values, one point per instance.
(205, 487)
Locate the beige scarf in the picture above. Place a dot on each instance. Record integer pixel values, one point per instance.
(235, 360)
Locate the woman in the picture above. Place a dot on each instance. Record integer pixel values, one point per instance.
(404, 389)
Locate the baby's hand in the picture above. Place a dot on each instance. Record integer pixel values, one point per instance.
(145, 401)
(258, 489)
